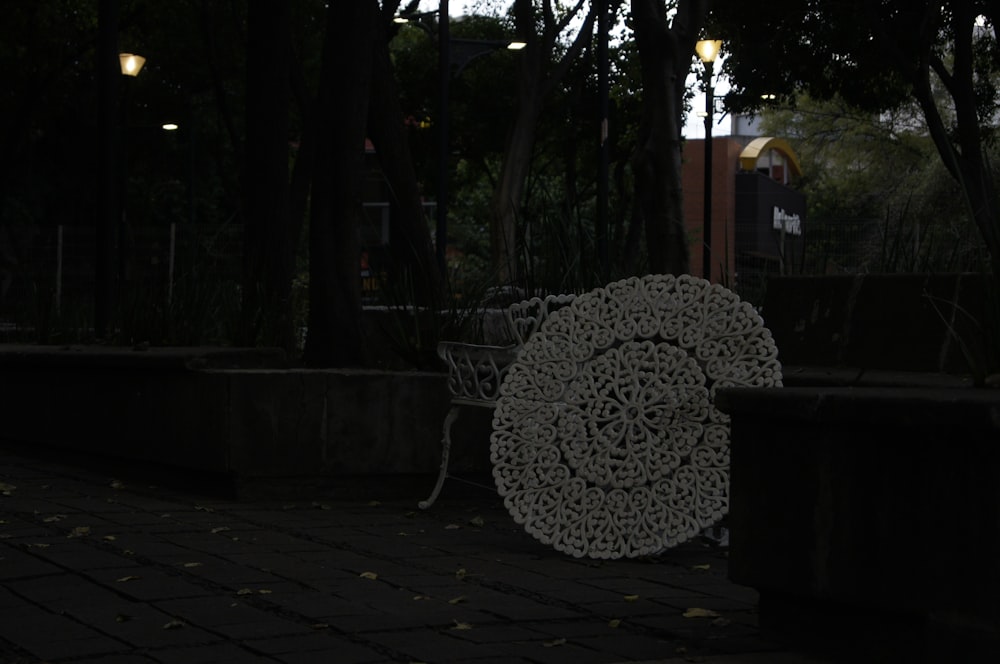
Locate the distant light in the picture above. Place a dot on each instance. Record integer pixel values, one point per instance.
(131, 63)
(768, 96)
(708, 49)
(516, 45)
(169, 126)
(400, 19)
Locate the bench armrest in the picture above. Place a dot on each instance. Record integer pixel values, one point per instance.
(474, 371)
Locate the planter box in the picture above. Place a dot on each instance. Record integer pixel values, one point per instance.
(869, 518)
(241, 418)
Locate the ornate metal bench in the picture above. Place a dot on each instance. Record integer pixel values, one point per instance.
(606, 440)
(475, 372)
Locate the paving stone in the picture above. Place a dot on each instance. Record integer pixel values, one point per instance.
(212, 611)
(336, 651)
(212, 653)
(317, 642)
(148, 583)
(268, 627)
(284, 584)
(83, 556)
(429, 645)
(15, 563)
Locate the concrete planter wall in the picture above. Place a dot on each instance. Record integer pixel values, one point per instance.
(238, 414)
(871, 512)
(865, 495)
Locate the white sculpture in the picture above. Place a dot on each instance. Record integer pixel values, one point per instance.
(606, 442)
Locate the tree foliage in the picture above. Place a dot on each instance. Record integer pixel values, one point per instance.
(875, 55)
(879, 199)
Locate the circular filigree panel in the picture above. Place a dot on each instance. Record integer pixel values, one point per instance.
(606, 441)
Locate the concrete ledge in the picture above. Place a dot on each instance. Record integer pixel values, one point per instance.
(866, 502)
(190, 409)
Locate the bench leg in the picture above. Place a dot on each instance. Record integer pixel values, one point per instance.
(445, 450)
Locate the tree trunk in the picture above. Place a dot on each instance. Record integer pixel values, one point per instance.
(507, 197)
(334, 336)
(412, 258)
(538, 75)
(268, 250)
(665, 53)
(961, 150)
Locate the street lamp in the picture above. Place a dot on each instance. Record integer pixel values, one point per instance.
(707, 50)
(458, 53)
(131, 63)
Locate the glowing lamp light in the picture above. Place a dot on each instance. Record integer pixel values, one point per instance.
(708, 49)
(131, 63)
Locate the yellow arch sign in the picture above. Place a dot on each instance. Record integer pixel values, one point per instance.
(758, 146)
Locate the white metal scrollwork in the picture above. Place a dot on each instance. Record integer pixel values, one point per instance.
(606, 442)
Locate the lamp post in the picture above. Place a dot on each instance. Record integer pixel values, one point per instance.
(707, 50)
(457, 52)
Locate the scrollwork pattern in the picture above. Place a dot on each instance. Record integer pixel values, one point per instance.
(606, 441)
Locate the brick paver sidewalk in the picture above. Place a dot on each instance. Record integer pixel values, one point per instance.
(98, 567)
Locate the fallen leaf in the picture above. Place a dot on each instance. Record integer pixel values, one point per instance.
(462, 625)
(554, 643)
(115, 484)
(460, 574)
(202, 508)
(477, 521)
(321, 506)
(109, 538)
(127, 578)
(700, 613)
(320, 626)
(220, 529)
(173, 624)
(703, 568)
(418, 598)
(38, 545)
(244, 591)
(452, 526)
(614, 623)
(192, 564)
(369, 575)
(79, 531)
(7, 489)
(721, 622)
(55, 518)
(457, 600)
(631, 598)
(263, 591)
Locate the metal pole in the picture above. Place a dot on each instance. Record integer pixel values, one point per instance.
(444, 66)
(707, 226)
(108, 77)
